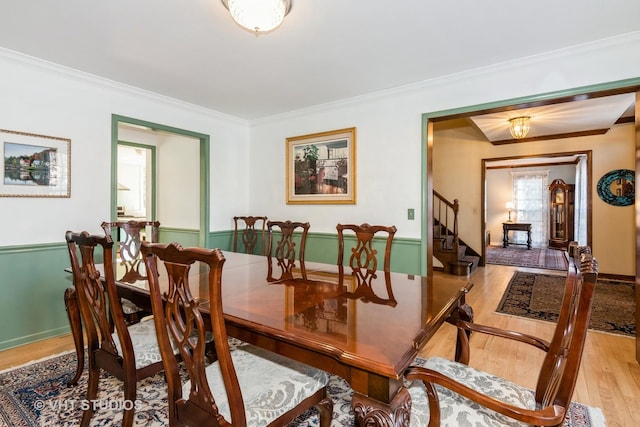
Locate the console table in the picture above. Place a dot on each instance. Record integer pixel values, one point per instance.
(515, 226)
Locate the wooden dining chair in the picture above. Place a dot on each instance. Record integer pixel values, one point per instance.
(445, 392)
(128, 352)
(128, 236)
(363, 260)
(246, 386)
(287, 242)
(246, 235)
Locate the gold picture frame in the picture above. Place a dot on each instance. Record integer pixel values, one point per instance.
(34, 165)
(321, 168)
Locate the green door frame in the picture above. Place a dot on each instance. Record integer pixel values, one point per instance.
(205, 173)
(593, 91)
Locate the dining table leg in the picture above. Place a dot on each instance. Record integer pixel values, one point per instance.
(371, 412)
(75, 322)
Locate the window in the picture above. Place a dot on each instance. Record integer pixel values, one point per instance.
(530, 198)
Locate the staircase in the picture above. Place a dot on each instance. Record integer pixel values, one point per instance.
(456, 257)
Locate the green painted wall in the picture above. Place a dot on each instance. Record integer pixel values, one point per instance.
(187, 238)
(323, 247)
(222, 240)
(33, 280)
(405, 253)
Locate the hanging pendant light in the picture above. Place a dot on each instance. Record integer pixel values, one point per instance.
(258, 16)
(519, 126)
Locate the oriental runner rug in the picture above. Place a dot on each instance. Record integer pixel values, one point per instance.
(36, 394)
(539, 296)
(520, 256)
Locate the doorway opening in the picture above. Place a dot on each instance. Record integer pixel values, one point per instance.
(499, 178)
(135, 182)
(525, 146)
(176, 178)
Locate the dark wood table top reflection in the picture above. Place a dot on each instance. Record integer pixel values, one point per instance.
(368, 335)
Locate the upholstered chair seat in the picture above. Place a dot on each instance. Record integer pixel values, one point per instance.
(271, 385)
(129, 308)
(145, 342)
(456, 410)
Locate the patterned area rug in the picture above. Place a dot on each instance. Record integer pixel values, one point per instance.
(539, 296)
(36, 395)
(520, 256)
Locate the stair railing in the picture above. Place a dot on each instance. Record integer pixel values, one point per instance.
(445, 221)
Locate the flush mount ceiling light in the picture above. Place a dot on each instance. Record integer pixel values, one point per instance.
(519, 126)
(258, 16)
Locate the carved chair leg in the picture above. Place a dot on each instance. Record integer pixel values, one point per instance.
(75, 322)
(325, 408)
(129, 402)
(92, 393)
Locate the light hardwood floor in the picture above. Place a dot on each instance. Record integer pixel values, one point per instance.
(609, 377)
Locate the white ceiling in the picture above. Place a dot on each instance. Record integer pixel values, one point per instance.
(326, 50)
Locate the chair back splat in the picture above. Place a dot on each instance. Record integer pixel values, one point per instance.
(128, 237)
(247, 238)
(244, 379)
(482, 398)
(286, 251)
(364, 261)
(128, 352)
(363, 255)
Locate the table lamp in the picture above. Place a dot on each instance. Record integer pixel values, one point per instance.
(509, 208)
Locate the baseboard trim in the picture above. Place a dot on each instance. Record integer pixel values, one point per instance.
(618, 277)
(28, 339)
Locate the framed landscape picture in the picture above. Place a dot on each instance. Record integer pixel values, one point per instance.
(321, 168)
(34, 165)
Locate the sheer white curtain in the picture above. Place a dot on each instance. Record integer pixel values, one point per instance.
(580, 202)
(531, 204)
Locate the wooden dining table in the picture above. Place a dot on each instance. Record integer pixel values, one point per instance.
(320, 314)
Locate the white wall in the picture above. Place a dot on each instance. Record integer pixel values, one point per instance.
(389, 143)
(179, 182)
(388, 167)
(45, 99)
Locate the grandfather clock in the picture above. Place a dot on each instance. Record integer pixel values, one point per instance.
(560, 214)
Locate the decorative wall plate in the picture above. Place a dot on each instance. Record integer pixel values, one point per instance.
(618, 187)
